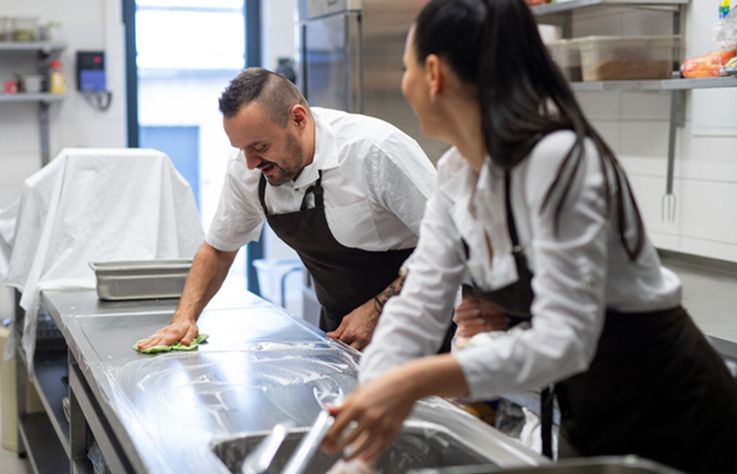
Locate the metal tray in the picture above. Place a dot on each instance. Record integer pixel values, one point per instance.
(140, 279)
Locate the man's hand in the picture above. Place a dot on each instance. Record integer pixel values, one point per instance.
(357, 327)
(184, 331)
(475, 315)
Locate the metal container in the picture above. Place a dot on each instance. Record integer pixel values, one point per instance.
(419, 445)
(140, 279)
(596, 465)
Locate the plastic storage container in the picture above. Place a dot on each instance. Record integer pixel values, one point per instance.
(273, 275)
(31, 83)
(567, 56)
(57, 83)
(609, 58)
(24, 28)
(6, 30)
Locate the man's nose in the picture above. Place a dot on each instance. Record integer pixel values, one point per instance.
(252, 160)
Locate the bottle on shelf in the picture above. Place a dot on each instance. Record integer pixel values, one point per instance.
(57, 83)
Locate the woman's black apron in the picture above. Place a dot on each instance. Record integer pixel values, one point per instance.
(655, 388)
(344, 277)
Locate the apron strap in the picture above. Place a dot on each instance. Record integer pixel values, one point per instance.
(547, 396)
(511, 226)
(316, 189)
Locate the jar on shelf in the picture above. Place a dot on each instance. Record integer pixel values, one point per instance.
(24, 28)
(57, 83)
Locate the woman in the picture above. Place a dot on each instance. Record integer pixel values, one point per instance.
(534, 205)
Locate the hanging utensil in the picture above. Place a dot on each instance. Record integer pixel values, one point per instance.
(307, 448)
(668, 201)
(260, 459)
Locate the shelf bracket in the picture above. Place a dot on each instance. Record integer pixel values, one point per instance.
(44, 132)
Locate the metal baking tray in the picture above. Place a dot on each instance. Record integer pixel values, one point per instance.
(140, 279)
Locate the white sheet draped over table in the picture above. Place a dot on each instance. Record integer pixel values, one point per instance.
(91, 205)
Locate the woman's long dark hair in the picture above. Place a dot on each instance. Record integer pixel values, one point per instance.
(495, 45)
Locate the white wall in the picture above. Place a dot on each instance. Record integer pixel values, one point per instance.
(636, 126)
(87, 25)
(277, 26)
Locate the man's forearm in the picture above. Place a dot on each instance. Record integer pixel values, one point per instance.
(209, 269)
(393, 289)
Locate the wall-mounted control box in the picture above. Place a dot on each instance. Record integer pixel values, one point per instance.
(91, 71)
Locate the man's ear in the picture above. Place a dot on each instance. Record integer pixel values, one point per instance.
(298, 116)
(434, 75)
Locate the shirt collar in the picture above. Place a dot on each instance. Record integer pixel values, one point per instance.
(484, 182)
(326, 152)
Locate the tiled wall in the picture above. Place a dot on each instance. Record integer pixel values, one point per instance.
(636, 125)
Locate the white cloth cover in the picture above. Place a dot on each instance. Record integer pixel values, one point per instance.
(91, 205)
(7, 229)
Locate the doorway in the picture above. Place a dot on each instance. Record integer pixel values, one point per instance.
(180, 55)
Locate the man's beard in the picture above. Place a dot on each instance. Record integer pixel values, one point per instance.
(294, 149)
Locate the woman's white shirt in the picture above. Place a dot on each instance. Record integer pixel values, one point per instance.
(578, 271)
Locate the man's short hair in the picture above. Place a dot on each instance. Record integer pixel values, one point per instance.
(272, 90)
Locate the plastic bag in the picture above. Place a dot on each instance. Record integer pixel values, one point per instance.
(708, 65)
(725, 30)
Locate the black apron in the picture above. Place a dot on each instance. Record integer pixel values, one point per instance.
(344, 277)
(655, 388)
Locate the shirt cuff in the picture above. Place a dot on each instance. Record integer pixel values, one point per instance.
(223, 245)
(470, 359)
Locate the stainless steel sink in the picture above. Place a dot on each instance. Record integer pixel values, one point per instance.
(600, 465)
(422, 445)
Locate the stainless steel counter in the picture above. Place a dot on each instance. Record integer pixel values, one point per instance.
(260, 366)
(710, 296)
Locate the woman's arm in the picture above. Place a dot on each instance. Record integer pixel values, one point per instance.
(570, 268)
(414, 323)
(379, 406)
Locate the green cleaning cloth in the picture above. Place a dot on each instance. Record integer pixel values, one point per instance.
(173, 347)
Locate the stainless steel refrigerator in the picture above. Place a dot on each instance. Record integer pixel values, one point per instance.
(349, 57)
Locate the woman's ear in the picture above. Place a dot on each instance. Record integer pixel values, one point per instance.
(434, 76)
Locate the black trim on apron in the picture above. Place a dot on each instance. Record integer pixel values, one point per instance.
(344, 277)
(655, 388)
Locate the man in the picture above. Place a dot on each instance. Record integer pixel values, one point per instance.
(346, 191)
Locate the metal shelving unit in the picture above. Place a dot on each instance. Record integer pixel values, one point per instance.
(43, 436)
(656, 85)
(44, 100)
(43, 97)
(43, 46)
(49, 371)
(35, 429)
(566, 7)
(561, 14)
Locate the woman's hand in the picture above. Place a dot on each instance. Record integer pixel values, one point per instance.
(378, 408)
(475, 315)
